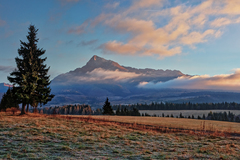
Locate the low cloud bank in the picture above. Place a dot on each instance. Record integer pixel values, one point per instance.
(101, 74)
(228, 82)
(96, 76)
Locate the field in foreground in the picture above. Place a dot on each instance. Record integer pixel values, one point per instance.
(45, 137)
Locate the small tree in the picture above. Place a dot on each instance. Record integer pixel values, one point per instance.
(8, 100)
(107, 108)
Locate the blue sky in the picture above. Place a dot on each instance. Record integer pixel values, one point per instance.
(197, 37)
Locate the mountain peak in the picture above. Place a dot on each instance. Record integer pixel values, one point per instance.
(99, 62)
(96, 59)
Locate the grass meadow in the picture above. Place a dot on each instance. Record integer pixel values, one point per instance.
(36, 136)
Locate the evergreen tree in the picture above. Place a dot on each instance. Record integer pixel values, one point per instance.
(107, 108)
(204, 117)
(8, 100)
(30, 77)
(181, 116)
(118, 111)
(135, 112)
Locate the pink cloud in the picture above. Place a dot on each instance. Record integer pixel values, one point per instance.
(185, 26)
(118, 47)
(230, 82)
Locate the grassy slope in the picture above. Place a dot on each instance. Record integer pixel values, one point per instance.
(45, 137)
(174, 122)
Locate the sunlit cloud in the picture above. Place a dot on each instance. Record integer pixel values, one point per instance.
(165, 30)
(98, 75)
(224, 21)
(101, 74)
(230, 82)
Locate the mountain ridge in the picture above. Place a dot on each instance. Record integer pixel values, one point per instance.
(102, 64)
(100, 78)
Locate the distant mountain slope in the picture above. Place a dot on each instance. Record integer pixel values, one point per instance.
(3, 88)
(101, 78)
(100, 70)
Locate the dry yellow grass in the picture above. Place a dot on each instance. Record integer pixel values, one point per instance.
(174, 122)
(36, 136)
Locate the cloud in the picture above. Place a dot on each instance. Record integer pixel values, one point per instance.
(118, 47)
(166, 30)
(6, 69)
(79, 29)
(101, 74)
(98, 75)
(112, 5)
(224, 21)
(197, 37)
(229, 82)
(140, 4)
(87, 43)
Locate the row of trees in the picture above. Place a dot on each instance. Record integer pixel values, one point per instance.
(181, 106)
(76, 109)
(30, 78)
(126, 112)
(107, 110)
(220, 116)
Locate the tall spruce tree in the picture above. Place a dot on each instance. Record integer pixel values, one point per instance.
(107, 108)
(30, 77)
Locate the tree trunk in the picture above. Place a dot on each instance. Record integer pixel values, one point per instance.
(27, 108)
(35, 110)
(23, 108)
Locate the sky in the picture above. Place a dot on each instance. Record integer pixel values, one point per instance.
(198, 37)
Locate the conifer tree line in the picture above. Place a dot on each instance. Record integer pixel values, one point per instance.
(30, 78)
(107, 110)
(181, 106)
(77, 109)
(221, 116)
